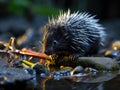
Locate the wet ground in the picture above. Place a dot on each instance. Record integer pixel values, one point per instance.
(18, 27)
(26, 79)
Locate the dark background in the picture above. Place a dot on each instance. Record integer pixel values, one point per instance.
(19, 16)
(24, 19)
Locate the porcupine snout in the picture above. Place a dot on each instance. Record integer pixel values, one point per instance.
(49, 51)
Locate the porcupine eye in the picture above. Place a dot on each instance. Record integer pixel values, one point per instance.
(54, 42)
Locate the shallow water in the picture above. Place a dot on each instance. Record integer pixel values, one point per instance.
(104, 81)
(68, 85)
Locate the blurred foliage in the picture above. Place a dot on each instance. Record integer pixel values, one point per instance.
(34, 7)
(45, 10)
(40, 7)
(17, 6)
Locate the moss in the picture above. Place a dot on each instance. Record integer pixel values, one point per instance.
(99, 63)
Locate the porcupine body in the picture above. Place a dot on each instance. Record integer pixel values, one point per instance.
(76, 34)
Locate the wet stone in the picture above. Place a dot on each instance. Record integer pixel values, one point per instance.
(61, 74)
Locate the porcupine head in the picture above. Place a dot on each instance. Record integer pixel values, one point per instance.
(73, 34)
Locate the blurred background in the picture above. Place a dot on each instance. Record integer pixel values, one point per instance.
(23, 19)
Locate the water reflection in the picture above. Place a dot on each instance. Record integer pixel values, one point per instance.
(68, 85)
(102, 81)
(113, 84)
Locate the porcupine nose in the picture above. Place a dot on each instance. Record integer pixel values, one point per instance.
(47, 52)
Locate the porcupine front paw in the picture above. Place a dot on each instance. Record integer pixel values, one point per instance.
(65, 60)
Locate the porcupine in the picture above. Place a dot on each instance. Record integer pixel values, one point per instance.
(73, 35)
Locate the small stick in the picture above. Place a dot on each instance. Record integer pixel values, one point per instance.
(29, 52)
